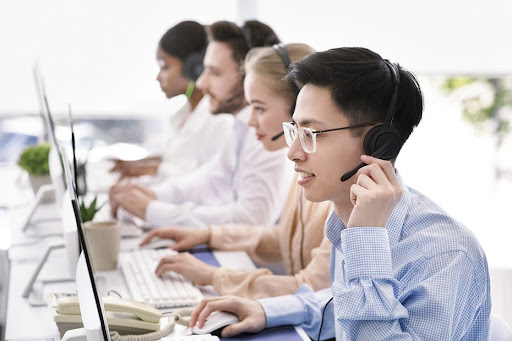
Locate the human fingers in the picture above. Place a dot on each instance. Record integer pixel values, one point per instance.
(355, 192)
(149, 236)
(386, 167)
(194, 318)
(375, 172)
(144, 190)
(114, 205)
(225, 303)
(165, 264)
(365, 181)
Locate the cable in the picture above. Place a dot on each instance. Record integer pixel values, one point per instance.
(301, 220)
(181, 316)
(323, 315)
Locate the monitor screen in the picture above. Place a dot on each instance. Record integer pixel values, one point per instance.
(91, 306)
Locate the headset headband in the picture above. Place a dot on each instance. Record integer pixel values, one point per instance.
(280, 49)
(246, 32)
(395, 73)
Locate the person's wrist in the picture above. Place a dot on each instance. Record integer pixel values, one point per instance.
(207, 235)
(211, 275)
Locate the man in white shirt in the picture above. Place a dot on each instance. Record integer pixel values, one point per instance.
(244, 183)
(179, 55)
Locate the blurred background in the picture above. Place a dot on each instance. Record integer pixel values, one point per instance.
(99, 57)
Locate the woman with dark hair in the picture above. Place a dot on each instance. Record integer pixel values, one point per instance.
(180, 55)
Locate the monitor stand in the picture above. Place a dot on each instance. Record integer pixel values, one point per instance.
(42, 192)
(75, 335)
(92, 330)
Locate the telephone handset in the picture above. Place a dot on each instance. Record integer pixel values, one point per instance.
(126, 317)
(69, 306)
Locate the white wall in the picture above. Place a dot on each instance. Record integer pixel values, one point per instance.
(99, 55)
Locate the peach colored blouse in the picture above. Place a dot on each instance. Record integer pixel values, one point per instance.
(279, 243)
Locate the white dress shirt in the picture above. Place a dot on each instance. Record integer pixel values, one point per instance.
(194, 138)
(243, 184)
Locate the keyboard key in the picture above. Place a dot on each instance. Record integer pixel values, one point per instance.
(170, 291)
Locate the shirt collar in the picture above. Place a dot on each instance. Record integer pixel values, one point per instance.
(334, 225)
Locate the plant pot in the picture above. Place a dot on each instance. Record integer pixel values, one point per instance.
(37, 181)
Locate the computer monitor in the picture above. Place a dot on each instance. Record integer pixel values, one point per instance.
(91, 306)
(69, 243)
(55, 161)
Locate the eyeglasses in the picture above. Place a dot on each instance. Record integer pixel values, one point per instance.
(307, 136)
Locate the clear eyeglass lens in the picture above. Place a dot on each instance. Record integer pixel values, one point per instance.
(289, 133)
(308, 140)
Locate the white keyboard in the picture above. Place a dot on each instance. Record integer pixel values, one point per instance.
(204, 337)
(130, 230)
(169, 291)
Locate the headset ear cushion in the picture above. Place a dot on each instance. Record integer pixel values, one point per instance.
(378, 137)
(193, 65)
(368, 143)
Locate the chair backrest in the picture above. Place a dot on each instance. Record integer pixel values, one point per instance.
(500, 330)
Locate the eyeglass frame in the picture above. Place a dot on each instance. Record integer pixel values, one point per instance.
(314, 132)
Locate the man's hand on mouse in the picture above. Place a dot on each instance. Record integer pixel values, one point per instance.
(251, 314)
(185, 238)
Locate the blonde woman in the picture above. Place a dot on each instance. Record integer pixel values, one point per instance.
(298, 240)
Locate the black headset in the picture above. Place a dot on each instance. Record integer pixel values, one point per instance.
(247, 33)
(193, 64)
(383, 141)
(283, 54)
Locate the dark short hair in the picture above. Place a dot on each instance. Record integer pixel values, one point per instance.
(241, 39)
(184, 38)
(361, 86)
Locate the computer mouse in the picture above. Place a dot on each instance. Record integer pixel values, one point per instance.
(158, 243)
(216, 321)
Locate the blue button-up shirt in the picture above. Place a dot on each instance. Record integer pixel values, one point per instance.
(423, 277)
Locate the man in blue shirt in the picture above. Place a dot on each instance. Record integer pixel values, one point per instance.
(402, 269)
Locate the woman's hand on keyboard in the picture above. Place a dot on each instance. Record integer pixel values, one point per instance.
(188, 266)
(185, 238)
(251, 314)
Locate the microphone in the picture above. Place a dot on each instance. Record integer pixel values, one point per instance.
(277, 136)
(378, 153)
(235, 96)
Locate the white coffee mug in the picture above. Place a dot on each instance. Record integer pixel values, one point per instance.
(104, 241)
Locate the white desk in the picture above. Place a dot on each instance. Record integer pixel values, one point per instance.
(25, 322)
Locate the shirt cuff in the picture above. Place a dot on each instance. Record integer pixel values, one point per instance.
(283, 310)
(157, 212)
(367, 252)
(216, 236)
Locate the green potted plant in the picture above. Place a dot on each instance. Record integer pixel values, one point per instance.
(88, 212)
(34, 159)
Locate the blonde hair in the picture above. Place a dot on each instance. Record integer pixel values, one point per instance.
(267, 63)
